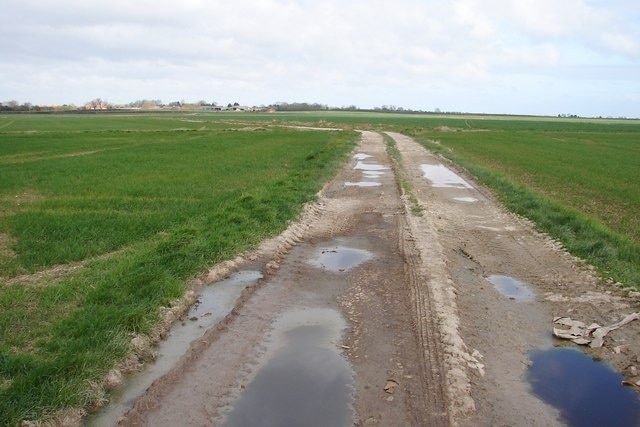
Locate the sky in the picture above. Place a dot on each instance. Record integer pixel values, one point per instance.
(542, 57)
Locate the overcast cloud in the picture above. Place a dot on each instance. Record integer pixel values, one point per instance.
(495, 56)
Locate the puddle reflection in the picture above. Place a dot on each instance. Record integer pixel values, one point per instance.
(305, 383)
(362, 184)
(369, 166)
(372, 174)
(512, 288)
(587, 393)
(340, 258)
(441, 176)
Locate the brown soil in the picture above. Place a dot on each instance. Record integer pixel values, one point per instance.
(429, 339)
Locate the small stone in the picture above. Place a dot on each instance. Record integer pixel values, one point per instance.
(373, 420)
(390, 386)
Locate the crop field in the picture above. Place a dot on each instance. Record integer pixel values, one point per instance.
(103, 220)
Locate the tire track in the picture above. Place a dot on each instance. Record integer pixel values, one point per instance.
(427, 329)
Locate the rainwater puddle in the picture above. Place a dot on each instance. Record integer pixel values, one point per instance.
(362, 184)
(372, 174)
(220, 297)
(305, 381)
(361, 156)
(512, 288)
(466, 199)
(441, 176)
(340, 258)
(215, 301)
(369, 166)
(587, 393)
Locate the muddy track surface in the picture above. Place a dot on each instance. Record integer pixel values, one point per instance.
(366, 314)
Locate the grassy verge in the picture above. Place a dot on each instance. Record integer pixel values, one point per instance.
(404, 184)
(614, 255)
(138, 220)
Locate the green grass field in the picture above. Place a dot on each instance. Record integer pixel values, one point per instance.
(121, 209)
(136, 212)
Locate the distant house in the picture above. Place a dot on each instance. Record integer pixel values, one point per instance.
(95, 106)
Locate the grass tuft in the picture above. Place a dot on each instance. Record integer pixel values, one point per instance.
(403, 183)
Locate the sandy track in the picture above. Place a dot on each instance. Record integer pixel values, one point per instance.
(428, 339)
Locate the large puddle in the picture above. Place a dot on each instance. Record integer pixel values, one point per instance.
(339, 258)
(304, 381)
(441, 176)
(372, 174)
(587, 393)
(214, 302)
(512, 288)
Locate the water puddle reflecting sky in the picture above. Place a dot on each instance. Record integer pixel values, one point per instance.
(512, 288)
(441, 176)
(466, 199)
(306, 382)
(340, 258)
(587, 393)
(362, 184)
(370, 166)
(373, 174)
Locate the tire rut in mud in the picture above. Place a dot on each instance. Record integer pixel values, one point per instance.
(426, 329)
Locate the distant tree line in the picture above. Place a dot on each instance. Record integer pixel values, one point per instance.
(299, 106)
(27, 106)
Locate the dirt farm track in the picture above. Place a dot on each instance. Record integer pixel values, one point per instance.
(368, 312)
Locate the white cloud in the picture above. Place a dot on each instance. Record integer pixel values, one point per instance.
(365, 52)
